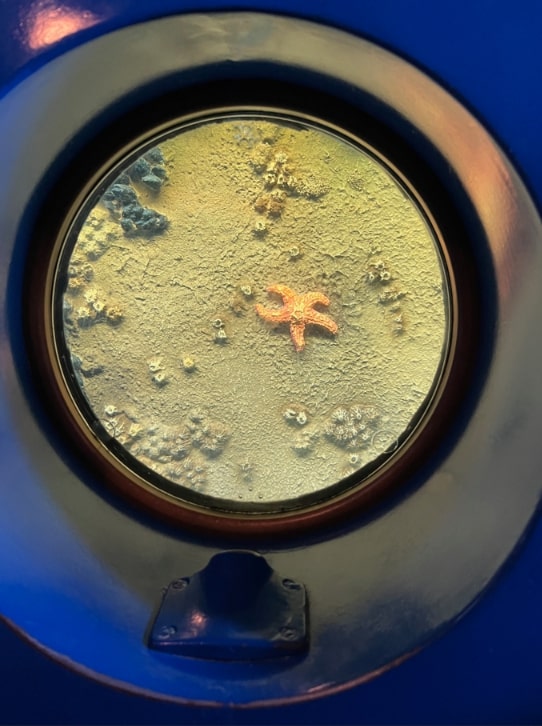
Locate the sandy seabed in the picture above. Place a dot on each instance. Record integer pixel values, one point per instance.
(181, 370)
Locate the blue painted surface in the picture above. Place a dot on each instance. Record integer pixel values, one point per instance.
(485, 669)
(237, 608)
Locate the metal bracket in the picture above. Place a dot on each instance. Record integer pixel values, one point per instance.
(236, 608)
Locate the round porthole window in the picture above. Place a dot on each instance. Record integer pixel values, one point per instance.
(251, 313)
(261, 273)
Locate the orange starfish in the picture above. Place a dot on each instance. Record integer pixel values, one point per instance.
(298, 311)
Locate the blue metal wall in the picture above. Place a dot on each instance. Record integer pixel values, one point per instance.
(486, 670)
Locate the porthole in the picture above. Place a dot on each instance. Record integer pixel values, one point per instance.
(252, 313)
(447, 272)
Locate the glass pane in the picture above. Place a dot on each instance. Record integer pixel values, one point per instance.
(254, 309)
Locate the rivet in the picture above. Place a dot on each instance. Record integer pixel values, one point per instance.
(179, 584)
(287, 633)
(291, 584)
(166, 632)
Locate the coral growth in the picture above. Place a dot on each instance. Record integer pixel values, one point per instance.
(136, 220)
(119, 196)
(120, 425)
(274, 166)
(188, 364)
(239, 301)
(208, 435)
(260, 225)
(294, 253)
(162, 444)
(158, 375)
(310, 187)
(96, 309)
(155, 364)
(271, 204)
(220, 336)
(80, 273)
(96, 236)
(149, 169)
(305, 441)
(356, 180)
(122, 201)
(143, 221)
(390, 295)
(174, 452)
(296, 415)
(246, 134)
(377, 272)
(246, 289)
(351, 427)
(279, 181)
(246, 471)
(398, 324)
(167, 450)
(190, 472)
(160, 379)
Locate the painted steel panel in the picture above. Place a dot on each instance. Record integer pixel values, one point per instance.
(484, 669)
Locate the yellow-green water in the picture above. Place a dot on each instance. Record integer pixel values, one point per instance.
(180, 369)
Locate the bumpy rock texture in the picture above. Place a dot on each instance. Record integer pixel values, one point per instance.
(159, 310)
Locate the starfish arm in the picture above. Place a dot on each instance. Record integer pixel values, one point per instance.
(297, 330)
(287, 294)
(281, 315)
(313, 298)
(313, 317)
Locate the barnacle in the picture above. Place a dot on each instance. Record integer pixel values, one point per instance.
(305, 441)
(351, 427)
(188, 364)
(208, 435)
(190, 472)
(377, 272)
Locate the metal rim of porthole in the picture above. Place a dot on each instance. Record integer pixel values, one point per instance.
(462, 357)
(459, 506)
(113, 464)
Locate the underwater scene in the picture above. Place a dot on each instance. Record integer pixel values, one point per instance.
(254, 309)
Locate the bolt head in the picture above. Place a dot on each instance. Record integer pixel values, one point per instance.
(287, 633)
(291, 584)
(179, 584)
(166, 632)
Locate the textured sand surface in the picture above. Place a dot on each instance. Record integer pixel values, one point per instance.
(180, 369)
